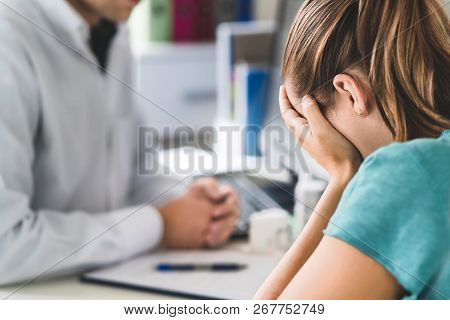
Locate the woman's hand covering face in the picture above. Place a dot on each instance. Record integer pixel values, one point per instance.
(317, 136)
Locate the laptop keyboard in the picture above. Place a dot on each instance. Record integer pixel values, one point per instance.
(249, 204)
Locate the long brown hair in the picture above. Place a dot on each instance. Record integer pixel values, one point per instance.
(401, 46)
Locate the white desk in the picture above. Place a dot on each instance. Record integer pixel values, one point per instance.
(72, 289)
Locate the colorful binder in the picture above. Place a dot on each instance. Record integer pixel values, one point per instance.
(250, 101)
(185, 17)
(206, 20)
(244, 10)
(160, 20)
(225, 10)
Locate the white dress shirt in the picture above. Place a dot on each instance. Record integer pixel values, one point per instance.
(67, 147)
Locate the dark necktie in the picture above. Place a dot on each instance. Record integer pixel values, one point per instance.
(102, 35)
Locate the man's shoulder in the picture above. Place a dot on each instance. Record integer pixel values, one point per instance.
(18, 18)
(21, 22)
(16, 11)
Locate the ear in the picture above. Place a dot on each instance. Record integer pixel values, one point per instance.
(348, 86)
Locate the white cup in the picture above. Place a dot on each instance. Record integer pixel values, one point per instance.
(270, 231)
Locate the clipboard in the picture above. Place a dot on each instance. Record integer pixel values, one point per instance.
(141, 274)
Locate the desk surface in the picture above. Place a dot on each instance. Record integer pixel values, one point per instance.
(72, 289)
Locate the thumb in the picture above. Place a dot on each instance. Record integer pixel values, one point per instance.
(313, 115)
(210, 187)
(214, 193)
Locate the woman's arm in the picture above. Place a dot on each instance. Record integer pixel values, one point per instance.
(337, 270)
(339, 157)
(305, 244)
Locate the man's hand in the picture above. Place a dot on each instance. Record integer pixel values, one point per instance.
(204, 216)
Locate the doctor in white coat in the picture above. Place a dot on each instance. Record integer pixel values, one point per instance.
(70, 197)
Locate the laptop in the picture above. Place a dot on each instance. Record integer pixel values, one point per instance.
(257, 194)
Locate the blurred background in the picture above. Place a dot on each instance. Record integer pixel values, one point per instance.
(216, 64)
(193, 58)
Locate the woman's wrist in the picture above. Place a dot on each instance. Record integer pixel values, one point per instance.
(342, 176)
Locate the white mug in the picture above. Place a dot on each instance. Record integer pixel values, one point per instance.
(270, 231)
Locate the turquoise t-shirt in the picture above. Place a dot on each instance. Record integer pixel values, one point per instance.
(396, 210)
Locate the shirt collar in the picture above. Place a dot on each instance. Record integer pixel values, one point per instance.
(66, 21)
(74, 20)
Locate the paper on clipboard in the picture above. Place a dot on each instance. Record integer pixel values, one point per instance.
(140, 274)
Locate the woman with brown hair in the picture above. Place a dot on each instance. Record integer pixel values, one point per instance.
(375, 113)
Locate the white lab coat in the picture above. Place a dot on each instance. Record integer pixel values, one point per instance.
(67, 147)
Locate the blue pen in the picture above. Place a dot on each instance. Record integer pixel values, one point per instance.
(165, 267)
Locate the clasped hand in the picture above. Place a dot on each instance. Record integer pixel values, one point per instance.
(205, 216)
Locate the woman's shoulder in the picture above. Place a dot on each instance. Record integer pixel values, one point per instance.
(423, 162)
(410, 179)
(423, 149)
(396, 210)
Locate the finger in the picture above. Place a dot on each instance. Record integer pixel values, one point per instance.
(286, 107)
(288, 113)
(313, 114)
(210, 187)
(229, 207)
(226, 190)
(293, 120)
(219, 232)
